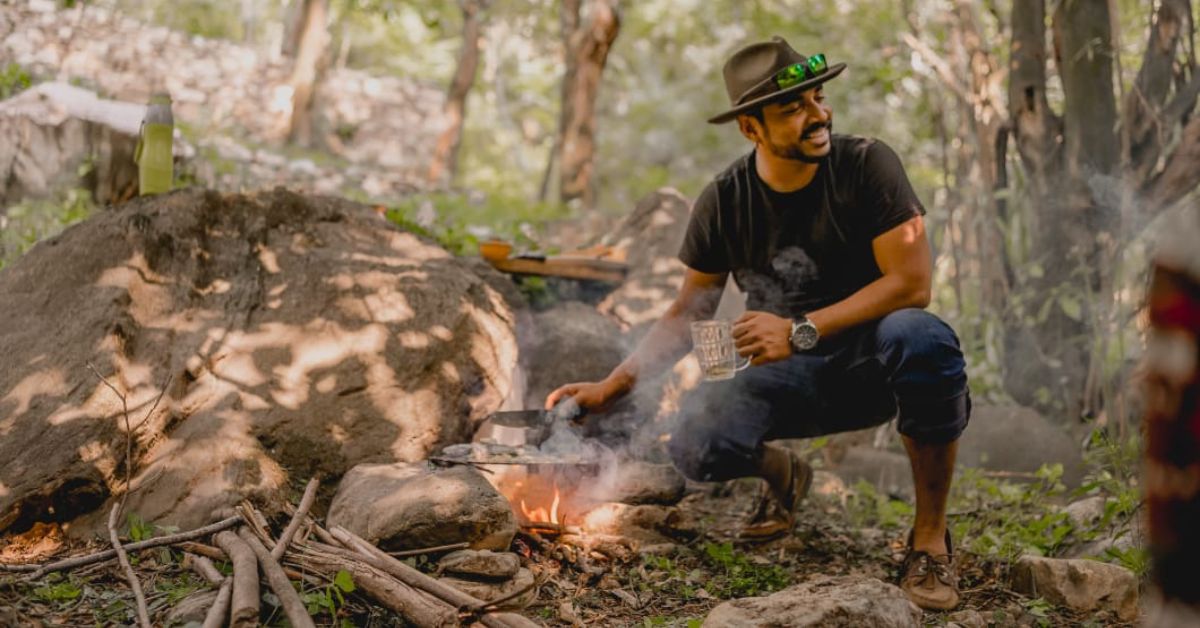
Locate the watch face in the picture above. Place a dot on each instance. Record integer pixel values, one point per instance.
(804, 337)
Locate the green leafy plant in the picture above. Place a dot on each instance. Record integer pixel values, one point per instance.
(57, 590)
(738, 575)
(1003, 520)
(13, 79)
(867, 507)
(330, 598)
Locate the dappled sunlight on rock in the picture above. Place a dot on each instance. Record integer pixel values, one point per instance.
(295, 336)
(50, 383)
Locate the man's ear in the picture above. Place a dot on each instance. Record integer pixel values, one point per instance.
(750, 127)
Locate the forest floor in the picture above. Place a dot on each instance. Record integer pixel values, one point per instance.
(854, 532)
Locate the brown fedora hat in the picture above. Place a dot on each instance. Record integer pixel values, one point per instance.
(749, 75)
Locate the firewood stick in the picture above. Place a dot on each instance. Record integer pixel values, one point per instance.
(130, 575)
(416, 606)
(170, 539)
(377, 558)
(257, 523)
(215, 618)
(293, 606)
(205, 567)
(306, 502)
(244, 603)
(207, 551)
(429, 550)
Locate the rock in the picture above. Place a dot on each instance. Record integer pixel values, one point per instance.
(49, 130)
(480, 564)
(636, 482)
(651, 236)
(193, 608)
(829, 485)
(823, 601)
(1015, 438)
(570, 342)
(1086, 512)
(293, 335)
(411, 506)
(968, 618)
(488, 591)
(1082, 585)
(887, 471)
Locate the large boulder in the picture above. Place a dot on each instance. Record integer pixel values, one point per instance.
(570, 342)
(1016, 438)
(412, 506)
(825, 602)
(286, 335)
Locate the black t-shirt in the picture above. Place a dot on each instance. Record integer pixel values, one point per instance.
(792, 253)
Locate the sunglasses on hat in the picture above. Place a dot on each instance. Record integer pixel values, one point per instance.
(799, 72)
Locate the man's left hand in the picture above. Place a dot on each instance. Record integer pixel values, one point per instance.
(762, 337)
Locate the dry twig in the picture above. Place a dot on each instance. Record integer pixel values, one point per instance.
(206, 569)
(123, 558)
(377, 558)
(430, 550)
(293, 606)
(244, 604)
(170, 539)
(215, 618)
(306, 502)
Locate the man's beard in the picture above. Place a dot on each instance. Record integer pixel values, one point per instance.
(795, 151)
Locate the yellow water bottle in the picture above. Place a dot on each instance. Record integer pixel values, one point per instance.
(154, 153)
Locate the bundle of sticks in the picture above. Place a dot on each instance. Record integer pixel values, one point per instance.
(302, 551)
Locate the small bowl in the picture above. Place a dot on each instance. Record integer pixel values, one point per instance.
(495, 250)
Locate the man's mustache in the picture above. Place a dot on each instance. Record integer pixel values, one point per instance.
(814, 128)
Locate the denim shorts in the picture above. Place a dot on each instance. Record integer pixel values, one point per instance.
(907, 364)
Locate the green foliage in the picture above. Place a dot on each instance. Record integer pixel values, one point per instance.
(330, 598)
(739, 575)
(13, 79)
(458, 221)
(57, 590)
(139, 530)
(866, 507)
(24, 224)
(1003, 520)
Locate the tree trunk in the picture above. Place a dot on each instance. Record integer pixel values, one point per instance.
(314, 37)
(588, 52)
(568, 22)
(444, 166)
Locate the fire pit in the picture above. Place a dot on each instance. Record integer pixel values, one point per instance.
(538, 460)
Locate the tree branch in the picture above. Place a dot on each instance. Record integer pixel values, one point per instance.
(170, 539)
(130, 575)
(940, 66)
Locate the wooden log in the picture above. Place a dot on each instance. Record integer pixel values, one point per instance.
(220, 608)
(244, 603)
(417, 607)
(293, 606)
(379, 559)
(170, 539)
(306, 502)
(205, 567)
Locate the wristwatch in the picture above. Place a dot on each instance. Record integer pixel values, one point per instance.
(804, 335)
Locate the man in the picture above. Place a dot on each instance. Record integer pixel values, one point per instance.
(825, 236)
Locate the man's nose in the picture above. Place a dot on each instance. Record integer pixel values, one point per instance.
(817, 112)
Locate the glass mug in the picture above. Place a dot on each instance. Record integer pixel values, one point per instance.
(712, 342)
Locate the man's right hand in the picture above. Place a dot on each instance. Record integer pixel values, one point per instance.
(591, 396)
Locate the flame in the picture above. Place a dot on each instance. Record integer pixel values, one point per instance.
(540, 514)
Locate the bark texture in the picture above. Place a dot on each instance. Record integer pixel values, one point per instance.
(314, 38)
(445, 156)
